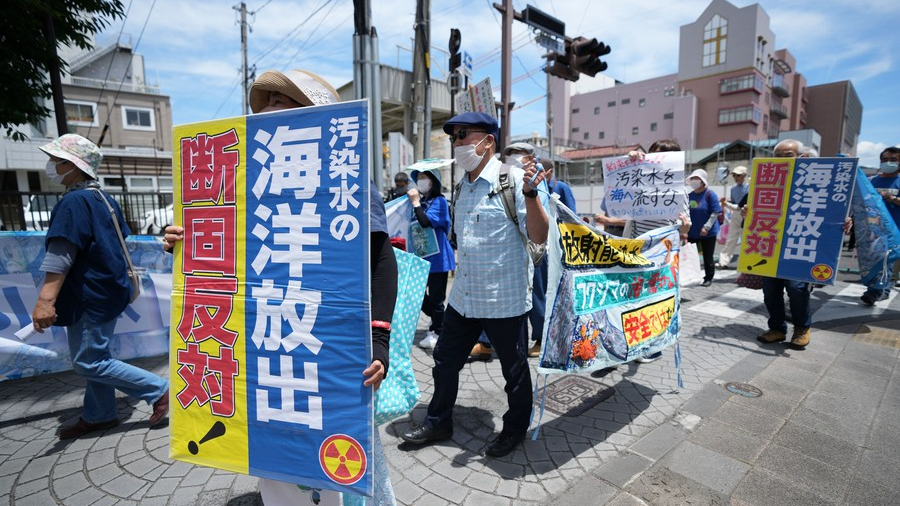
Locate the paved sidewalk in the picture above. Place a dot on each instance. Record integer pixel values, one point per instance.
(825, 430)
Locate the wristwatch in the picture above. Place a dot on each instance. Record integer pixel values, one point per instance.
(532, 193)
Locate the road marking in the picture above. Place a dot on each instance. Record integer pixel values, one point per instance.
(731, 304)
(846, 304)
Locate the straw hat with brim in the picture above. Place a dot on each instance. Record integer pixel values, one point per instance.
(740, 170)
(301, 86)
(78, 150)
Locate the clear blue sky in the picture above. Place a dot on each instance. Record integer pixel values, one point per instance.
(192, 49)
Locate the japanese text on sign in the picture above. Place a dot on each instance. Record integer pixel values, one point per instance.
(584, 247)
(648, 187)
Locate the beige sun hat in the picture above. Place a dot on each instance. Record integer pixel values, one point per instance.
(302, 86)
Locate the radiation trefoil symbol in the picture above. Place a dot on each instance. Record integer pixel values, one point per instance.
(342, 459)
(822, 272)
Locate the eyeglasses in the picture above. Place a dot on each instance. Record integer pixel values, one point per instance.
(463, 133)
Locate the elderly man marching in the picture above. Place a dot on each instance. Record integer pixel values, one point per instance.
(492, 289)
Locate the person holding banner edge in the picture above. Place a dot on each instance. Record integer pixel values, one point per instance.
(430, 210)
(492, 291)
(887, 184)
(86, 288)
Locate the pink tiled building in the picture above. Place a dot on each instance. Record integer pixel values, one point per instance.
(733, 83)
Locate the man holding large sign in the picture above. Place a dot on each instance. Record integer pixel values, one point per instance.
(792, 232)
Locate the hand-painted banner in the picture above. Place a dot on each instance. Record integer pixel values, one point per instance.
(613, 300)
(877, 236)
(648, 188)
(141, 331)
(796, 210)
(271, 325)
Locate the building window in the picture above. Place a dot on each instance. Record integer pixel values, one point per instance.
(747, 113)
(114, 183)
(669, 92)
(611, 104)
(626, 101)
(652, 127)
(742, 83)
(138, 118)
(601, 135)
(634, 130)
(642, 102)
(669, 115)
(715, 37)
(576, 110)
(575, 130)
(587, 136)
(596, 110)
(81, 113)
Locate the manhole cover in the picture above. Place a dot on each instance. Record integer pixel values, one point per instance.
(744, 389)
(573, 395)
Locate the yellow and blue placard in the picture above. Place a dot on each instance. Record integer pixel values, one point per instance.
(796, 210)
(271, 325)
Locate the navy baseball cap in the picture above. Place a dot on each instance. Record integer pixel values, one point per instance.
(478, 119)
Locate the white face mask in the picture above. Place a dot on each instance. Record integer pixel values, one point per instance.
(467, 158)
(695, 184)
(889, 167)
(515, 160)
(51, 171)
(424, 185)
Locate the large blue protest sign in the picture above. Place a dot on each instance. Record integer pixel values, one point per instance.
(610, 300)
(797, 208)
(271, 307)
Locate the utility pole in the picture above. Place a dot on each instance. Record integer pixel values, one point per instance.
(422, 80)
(505, 70)
(550, 122)
(367, 82)
(244, 70)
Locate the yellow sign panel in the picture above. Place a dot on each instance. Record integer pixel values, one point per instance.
(647, 322)
(766, 214)
(582, 246)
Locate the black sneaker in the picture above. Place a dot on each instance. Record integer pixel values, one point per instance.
(504, 444)
(422, 434)
(706, 283)
(868, 299)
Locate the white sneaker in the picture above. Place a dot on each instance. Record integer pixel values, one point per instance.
(429, 340)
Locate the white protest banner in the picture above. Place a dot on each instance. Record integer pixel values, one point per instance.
(648, 188)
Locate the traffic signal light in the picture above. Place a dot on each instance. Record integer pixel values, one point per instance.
(560, 65)
(455, 56)
(586, 55)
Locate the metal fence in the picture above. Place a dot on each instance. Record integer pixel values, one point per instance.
(145, 213)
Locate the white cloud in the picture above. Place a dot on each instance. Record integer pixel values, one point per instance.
(869, 152)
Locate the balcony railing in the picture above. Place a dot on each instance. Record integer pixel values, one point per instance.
(112, 85)
(778, 110)
(780, 86)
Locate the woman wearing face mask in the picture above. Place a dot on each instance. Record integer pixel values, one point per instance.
(705, 209)
(86, 288)
(431, 210)
(887, 184)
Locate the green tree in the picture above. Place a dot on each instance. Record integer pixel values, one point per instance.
(26, 53)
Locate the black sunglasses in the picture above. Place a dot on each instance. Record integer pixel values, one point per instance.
(463, 133)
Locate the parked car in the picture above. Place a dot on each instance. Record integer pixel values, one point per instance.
(157, 220)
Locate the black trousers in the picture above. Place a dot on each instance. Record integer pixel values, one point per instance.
(453, 347)
(433, 303)
(707, 246)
